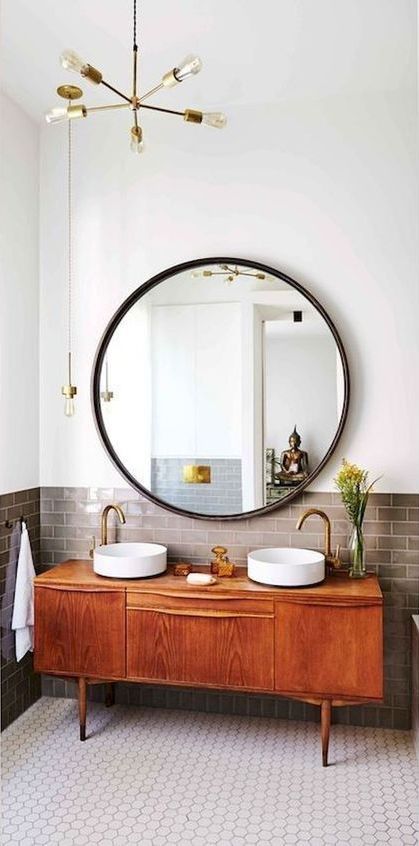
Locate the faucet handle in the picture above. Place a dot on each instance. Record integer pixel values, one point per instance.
(334, 561)
(92, 547)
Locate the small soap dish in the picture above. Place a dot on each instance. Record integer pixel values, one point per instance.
(200, 579)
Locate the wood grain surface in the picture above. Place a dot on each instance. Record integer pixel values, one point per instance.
(330, 650)
(76, 575)
(80, 633)
(234, 651)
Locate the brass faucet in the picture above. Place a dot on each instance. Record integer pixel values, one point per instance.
(333, 562)
(104, 519)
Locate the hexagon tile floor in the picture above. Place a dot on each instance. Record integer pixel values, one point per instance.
(157, 777)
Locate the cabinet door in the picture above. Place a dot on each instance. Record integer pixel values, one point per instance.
(219, 643)
(329, 650)
(80, 632)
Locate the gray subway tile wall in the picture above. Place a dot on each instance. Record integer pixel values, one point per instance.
(71, 516)
(415, 682)
(222, 496)
(20, 686)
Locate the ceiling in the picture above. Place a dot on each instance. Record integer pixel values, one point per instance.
(269, 52)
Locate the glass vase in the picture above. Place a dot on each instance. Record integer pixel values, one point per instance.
(356, 546)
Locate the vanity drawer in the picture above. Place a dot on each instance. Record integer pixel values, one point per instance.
(203, 606)
(215, 643)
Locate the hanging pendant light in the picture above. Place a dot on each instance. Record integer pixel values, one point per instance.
(184, 70)
(69, 390)
(106, 395)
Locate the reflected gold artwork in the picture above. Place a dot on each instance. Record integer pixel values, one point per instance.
(197, 474)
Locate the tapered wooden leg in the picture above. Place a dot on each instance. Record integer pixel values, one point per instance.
(326, 712)
(82, 707)
(110, 695)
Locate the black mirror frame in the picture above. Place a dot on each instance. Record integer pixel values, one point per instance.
(100, 356)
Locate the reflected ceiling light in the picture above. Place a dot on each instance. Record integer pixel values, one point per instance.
(106, 395)
(230, 273)
(184, 70)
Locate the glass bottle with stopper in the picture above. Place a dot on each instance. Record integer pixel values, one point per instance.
(221, 565)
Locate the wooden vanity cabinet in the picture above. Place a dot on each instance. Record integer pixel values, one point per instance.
(322, 645)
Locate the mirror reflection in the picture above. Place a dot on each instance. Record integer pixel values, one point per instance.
(221, 389)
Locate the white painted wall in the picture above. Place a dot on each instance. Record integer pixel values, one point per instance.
(318, 179)
(301, 388)
(333, 202)
(19, 300)
(196, 381)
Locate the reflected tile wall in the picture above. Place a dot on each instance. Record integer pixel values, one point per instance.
(71, 516)
(222, 496)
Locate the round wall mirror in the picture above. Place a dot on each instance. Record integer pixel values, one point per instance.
(220, 388)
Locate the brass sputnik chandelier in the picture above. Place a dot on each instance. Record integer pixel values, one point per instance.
(230, 273)
(189, 67)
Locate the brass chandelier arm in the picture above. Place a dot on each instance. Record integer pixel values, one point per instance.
(151, 92)
(115, 91)
(158, 109)
(107, 108)
(128, 104)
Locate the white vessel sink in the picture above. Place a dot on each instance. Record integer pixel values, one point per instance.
(130, 560)
(286, 567)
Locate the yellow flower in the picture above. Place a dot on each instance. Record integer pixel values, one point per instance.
(350, 475)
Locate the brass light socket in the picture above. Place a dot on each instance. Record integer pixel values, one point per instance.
(69, 391)
(77, 111)
(89, 72)
(197, 474)
(137, 133)
(106, 395)
(192, 116)
(169, 80)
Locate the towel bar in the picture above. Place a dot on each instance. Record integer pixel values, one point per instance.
(10, 523)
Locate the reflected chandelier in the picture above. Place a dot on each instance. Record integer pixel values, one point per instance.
(189, 67)
(230, 273)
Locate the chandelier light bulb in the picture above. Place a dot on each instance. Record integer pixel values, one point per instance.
(60, 113)
(57, 115)
(189, 67)
(69, 392)
(71, 61)
(215, 119)
(69, 407)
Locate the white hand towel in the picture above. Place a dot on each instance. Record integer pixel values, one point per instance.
(23, 617)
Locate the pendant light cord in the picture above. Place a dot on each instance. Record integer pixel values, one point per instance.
(134, 38)
(69, 236)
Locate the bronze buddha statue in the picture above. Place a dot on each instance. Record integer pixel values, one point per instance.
(293, 462)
